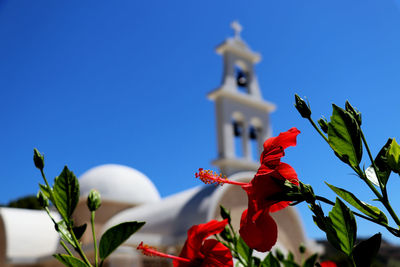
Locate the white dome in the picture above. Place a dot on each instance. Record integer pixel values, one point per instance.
(119, 183)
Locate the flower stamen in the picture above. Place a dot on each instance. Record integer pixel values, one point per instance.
(150, 251)
(211, 177)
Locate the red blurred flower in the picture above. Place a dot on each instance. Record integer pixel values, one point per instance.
(199, 251)
(257, 228)
(328, 264)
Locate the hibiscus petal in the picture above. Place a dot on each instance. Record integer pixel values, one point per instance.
(328, 264)
(284, 139)
(216, 254)
(263, 187)
(287, 172)
(274, 148)
(197, 234)
(272, 156)
(265, 169)
(260, 234)
(279, 206)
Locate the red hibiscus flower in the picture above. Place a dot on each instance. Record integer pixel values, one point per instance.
(257, 228)
(199, 251)
(328, 264)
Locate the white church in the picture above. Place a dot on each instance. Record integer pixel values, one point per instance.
(28, 238)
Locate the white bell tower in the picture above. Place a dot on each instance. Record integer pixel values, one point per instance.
(242, 116)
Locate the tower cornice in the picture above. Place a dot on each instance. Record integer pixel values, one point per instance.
(238, 47)
(247, 100)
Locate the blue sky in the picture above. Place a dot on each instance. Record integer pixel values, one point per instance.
(125, 82)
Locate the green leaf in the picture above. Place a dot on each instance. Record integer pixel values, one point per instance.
(226, 235)
(393, 156)
(256, 261)
(365, 208)
(62, 229)
(331, 234)
(66, 193)
(279, 254)
(344, 136)
(310, 262)
(270, 261)
(243, 250)
(288, 263)
(344, 224)
(46, 191)
(381, 164)
(365, 252)
(225, 214)
(319, 216)
(79, 230)
(70, 261)
(117, 235)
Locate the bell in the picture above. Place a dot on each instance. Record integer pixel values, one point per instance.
(241, 79)
(237, 129)
(253, 133)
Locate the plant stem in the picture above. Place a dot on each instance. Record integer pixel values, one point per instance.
(44, 178)
(78, 247)
(51, 217)
(232, 230)
(49, 188)
(353, 263)
(390, 229)
(52, 199)
(232, 249)
(96, 252)
(318, 130)
(66, 248)
(373, 165)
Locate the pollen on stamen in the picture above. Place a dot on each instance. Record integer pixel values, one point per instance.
(146, 249)
(210, 177)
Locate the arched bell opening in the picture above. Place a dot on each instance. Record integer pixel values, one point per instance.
(255, 138)
(239, 131)
(242, 77)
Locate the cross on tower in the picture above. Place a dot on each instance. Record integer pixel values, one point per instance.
(235, 25)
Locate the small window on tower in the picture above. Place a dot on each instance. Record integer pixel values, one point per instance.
(254, 136)
(238, 137)
(242, 80)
